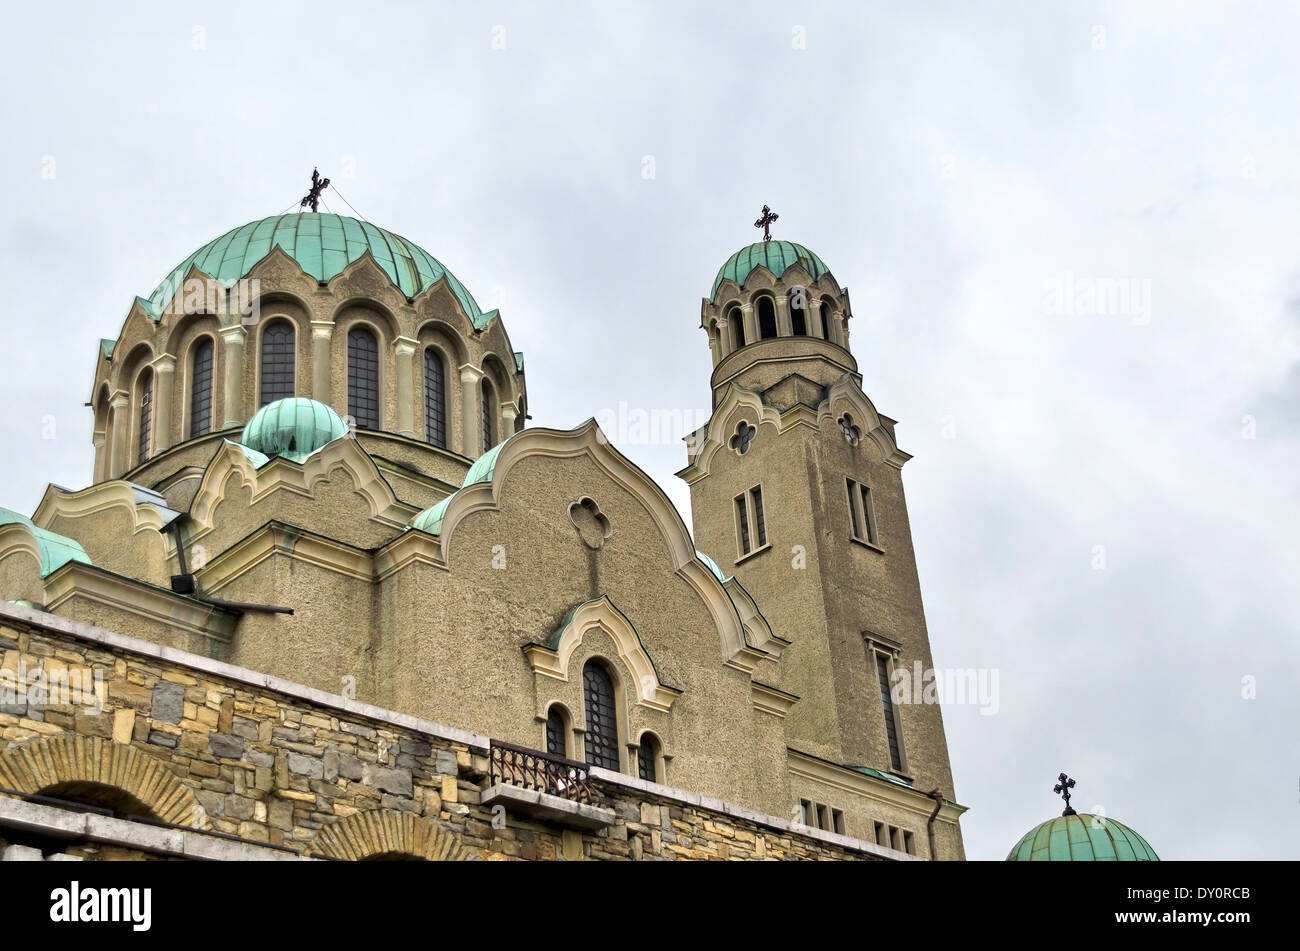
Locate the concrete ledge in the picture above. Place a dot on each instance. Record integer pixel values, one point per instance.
(548, 808)
(88, 826)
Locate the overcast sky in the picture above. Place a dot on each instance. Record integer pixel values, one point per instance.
(961, 168)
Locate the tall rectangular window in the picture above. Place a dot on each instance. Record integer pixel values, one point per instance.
(862, 515)
(435, 399)
(887, 706)
(363, 378)
(760, 524)
(751, 522)
(201, 389)
(146, 414)
(742, 525)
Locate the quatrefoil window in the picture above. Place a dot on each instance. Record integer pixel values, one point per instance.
(851, 432)
(744, 436)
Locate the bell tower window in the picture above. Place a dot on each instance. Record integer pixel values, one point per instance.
(798, 319)
(766, 318)
(737, 323)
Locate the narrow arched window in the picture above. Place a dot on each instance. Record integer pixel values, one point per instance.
(602, 722)
(487, 416)
(766, 318)
(146, 414)
(201, 389)
(435, 399)
(798, 320)
(825, 311)
(737, 322)
(647, 758)
(277, 362)
(363, 378)
(557, 743)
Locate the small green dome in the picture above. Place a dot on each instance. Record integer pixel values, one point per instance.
(323, 245)
(776, 256)
(293, 428)
(1082, 838)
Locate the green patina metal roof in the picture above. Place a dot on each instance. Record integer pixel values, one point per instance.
(323, 245)
(776, 256)
(56, 550)
(293, 428)
(430, 520)
(1082, 838)
(711, 565)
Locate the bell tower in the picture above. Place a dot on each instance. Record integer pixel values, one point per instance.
(796, 489)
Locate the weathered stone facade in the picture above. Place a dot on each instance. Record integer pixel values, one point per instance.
(208, 747)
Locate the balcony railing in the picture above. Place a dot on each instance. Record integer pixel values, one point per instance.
(544, 772)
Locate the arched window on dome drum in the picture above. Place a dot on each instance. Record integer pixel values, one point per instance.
(435, 399)
(556, 733)
(146, 414)
(737, 322)
(602, 721)
(766, 318)
(201, 389)
(798, 319)
(363, 378)
(647, 758)
(487, 416)
(825, 311)
(277, 362)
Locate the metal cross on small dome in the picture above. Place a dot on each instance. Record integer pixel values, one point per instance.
(318, 185)
(765, 222)
(1062, 788)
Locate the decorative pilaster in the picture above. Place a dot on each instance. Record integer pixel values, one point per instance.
(321, 332)
(471, 438)
(164, 370)
(120, 449)
(750, 321)
(509, 413)
(233, 339)
(404, 363)
(783, 326)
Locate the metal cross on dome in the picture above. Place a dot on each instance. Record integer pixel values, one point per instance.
(1062, 789)
(765, 222)
(318, 185)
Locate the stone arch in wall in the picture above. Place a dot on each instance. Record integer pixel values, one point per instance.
(388, 834)
(69, 764)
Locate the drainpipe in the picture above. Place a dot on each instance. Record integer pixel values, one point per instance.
(937, 796)
(186, 584)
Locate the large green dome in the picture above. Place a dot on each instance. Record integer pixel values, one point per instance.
(1082, 838)
(323, 245)
(293, 428)
(776, 256)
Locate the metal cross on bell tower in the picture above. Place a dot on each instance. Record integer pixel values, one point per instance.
(318, 185)
(1062, 789)
(765, 222)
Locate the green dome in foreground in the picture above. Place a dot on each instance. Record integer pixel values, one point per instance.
(776, 256)
(293, 428)
(322, 245)
(1082, 838)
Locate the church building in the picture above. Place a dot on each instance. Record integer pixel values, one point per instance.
(327, 594)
